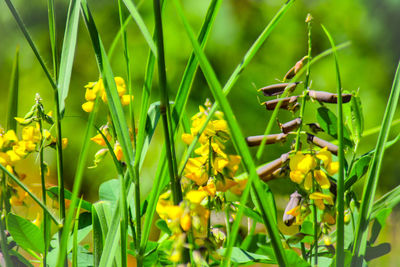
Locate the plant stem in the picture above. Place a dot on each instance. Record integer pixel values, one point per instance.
(43, 182)
(3, 241)
(165, 108)
(315, 219)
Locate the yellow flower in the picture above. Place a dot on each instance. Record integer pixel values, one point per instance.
(126, 99)
(187, 138)
(319, 199)
(13, 156)
(325, 156)
(196, 171)
(333, 168)
(118, 151)
(37, 221)
(98, 139)
(64, 143)
(302, 163)
(223, 186)
(196, 196)
(239, 187)
(90, 95)
(322, 179)
(31, 133)
(186, 222)
(209, 188)
(308, 181)
(20, 149)
(88, 106)
(9, 138)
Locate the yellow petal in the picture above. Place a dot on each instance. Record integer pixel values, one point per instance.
(64, 143)
(187, 138)
(13, 156)
(325, 156)
(126, 99)
(186, 222)
(196, 196)
(333, 168)
(88, 106)
(90, 95)
(322, 179)
(308, 182)
(296, 176)
(118, 151)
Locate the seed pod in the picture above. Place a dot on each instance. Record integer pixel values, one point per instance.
(265, 171)
(327, 97)
(271, 139)
(322, 143)
(277, 89)
(290, 125)
(287, 103)
(278, 173)
(294, 201)
(295, 69)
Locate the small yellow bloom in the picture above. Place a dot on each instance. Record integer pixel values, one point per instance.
(196, 196)
(126, 99)
(13, 156)
(46, 134)
(308, 181)
(296, 176)
(333, 168)
(10, 137)
(209, 188)
(239, 187)
(319, 199)
(223, 186)
(118, 151)
(90, 95)
(31, 133)
(186, 222)
(37, 220)
(187, 138)
(174, 212)
(302, 163)
(322, 179)
(88, 106)
(98, 139)
(325, 156)
(64, 143)
(327, 240)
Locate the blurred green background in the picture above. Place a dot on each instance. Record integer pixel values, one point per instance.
(368, 65)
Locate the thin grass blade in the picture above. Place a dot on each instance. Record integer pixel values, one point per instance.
(12, 107)
(340, 180)
(360, 242)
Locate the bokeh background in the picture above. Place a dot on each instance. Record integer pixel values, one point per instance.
(368, 65)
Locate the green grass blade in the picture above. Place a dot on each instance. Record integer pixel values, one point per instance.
(28, 38)
(98, 219)
(68, 53)
(242, 148)
(12, 107)
(77, 185)
(371, 182)
(35, 198)
(118, 118)
(53, 38)
(75, 236)
(114, 43)
(142, 27)
(340, 180)
(387, 201)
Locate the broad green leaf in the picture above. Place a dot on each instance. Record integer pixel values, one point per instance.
(52, 192)
(371, 183)
(12, 106)
(25, 233)
(328, 122)
(379, 224)
(100, 214)
(68, 53)
(359, 169)
(109, 191)
(251, 242)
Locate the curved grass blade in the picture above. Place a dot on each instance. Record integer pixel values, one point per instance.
(28, 38)
(77, 185)
(139, 21)
(114, 43)
(12, 107)
(242, 148)
(53, 38)
(360, 242)
(340, 255)
(68, 53)
(75, 236)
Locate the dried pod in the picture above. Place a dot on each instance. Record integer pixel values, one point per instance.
(322, 143)
(287, 103)
(295, 69)
(271, 139)
(270, 168)
(278, 173)
(277, 89)
(290, 125)
(294, 201)
(327, 97)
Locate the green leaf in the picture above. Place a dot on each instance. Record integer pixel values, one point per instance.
(252, 242)
(52, 192)
(328, 122)
(85, 258)
(27, 235)
(371, 183)
(12, 106)
(109, 191)
(250, 213)
(377, 251)
(241, 256)
(68, 53)
(162, 225)
(357, 117)
(379, 224)
(100, 213)
(359, 169)
(389, 200)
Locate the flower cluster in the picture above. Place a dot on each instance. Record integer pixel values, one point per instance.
(94, 89)
(311, 171)
(206, 177)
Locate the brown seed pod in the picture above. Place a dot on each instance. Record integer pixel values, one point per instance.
(322, 143)
(290, 125)
(287, 103)
(277, 89)
(327, 97)
(271, 139)
(269, 169)
(294, 201)
(315, 128)
(295, 69)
